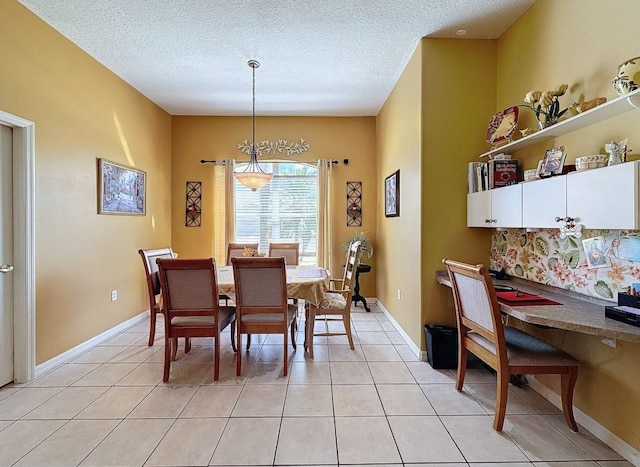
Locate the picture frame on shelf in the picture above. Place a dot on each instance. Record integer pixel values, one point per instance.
(392, 195)
(553, 162)
(121, 189)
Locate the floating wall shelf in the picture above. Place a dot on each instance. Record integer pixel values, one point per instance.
(609, 109)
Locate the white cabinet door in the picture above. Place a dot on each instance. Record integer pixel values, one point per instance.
(479, 209)
(506, 206)
(543, 201)
(605, 198)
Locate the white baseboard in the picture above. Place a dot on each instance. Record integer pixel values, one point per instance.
(414, 348)
(620, 446)
(76, 351)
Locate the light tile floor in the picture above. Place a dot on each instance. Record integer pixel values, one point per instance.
(376, 404)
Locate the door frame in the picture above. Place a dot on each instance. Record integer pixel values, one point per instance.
(24, 279)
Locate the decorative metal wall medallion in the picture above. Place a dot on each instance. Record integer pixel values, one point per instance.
(278, 148)
(194, 204)
(354, 204)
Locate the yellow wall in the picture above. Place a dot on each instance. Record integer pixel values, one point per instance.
(399, 147)
(581, 43)
(430, 127)
(458, 100)
(81, 112)
(338, 138)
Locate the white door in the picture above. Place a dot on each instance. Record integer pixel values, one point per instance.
(605, 198)
(479, 209)
(6, 256)
(543, 201)
(506, 206)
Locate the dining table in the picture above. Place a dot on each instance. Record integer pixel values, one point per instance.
(304, 282)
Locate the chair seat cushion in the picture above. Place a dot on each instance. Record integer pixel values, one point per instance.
(188, 321)
(333, 301)
(226, 316)
(526, 350)
(292, 310)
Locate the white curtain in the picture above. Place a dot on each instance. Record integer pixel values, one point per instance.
(222, 204)
(230, 201)
(325, 244)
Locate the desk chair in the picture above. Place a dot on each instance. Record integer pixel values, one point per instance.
(507, 350)
(289, 251)
(261, 302)
(191, 306)
(336, 302)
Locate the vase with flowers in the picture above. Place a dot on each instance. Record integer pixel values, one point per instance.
(545, 105)
(252, 252)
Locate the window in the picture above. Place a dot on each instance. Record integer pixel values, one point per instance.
(284, 210)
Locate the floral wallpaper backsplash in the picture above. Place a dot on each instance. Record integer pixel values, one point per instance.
(600, 264)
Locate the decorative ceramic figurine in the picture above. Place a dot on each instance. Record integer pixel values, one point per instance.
(628, 77)
(617, 152)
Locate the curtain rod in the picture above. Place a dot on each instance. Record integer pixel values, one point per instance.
(203, 161)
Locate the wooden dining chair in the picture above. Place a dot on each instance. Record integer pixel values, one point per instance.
(335, 303)
(507, 350)
(289, 251)
(236, 250)
(261, 302)
(191, 306)
(149, 258)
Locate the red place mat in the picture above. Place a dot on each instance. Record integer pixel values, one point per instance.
(524, 299)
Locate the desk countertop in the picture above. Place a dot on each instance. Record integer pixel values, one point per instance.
(577, 313)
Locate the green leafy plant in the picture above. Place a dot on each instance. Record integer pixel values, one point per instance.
(365, 242)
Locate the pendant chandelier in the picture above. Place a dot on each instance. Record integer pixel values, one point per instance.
(253, 176)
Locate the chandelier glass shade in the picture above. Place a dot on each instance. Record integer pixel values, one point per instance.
(253, 176)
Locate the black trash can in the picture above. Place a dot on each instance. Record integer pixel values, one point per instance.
(442, 346)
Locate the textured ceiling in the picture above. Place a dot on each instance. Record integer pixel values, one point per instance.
(318, 57)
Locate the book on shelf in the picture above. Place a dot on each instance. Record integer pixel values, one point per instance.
(502, 173)
(473, 177)
(496, 173)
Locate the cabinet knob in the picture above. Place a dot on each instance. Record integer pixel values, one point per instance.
(487, 221)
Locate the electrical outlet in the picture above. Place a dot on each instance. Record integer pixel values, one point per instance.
(399, 295)
(611, 342)
(114, 295)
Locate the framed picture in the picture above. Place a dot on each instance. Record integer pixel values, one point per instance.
(121, 189)
(553, 162)
(538, 168)
(392, 195)
(594, 249)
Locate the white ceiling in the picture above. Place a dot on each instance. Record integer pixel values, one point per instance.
(318, 57)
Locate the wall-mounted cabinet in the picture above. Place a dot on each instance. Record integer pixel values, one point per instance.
(543, 201)
(501, 207)
(606, 198)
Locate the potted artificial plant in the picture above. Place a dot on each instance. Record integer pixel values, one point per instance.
(365, 244)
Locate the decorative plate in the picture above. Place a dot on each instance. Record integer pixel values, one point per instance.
(502, 125)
